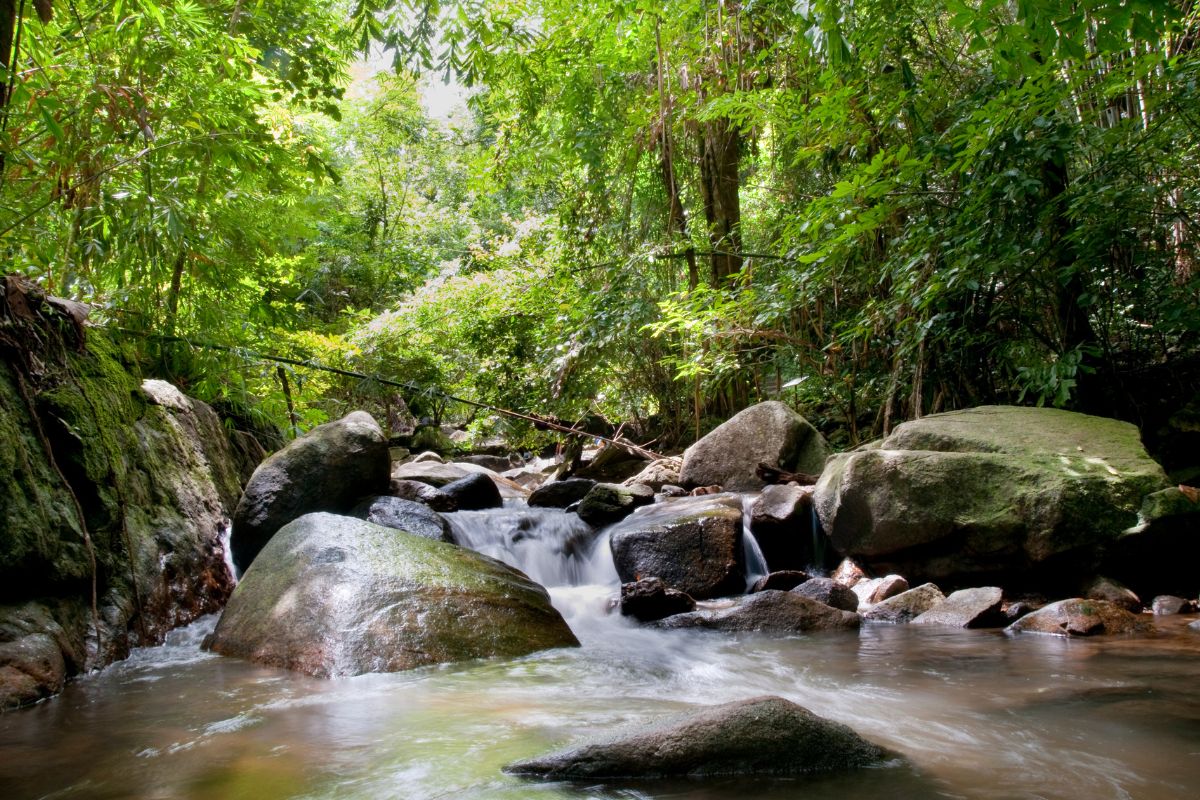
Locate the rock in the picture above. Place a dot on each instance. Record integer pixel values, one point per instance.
(967, 608)
(905, 606)
(692, 544)
(32, 662)
(781, 521)
(1114, 592)
(1018, 608)
(606, 503)
(403, 515)
(560, 494)
(1038, 495)
(768, 433)
(1080, 617)
(669, 490)
(431, 472)
(332, 596)
(1158, 554)
(876, 590)
(782, 581)
(499, 464)
(1194, 626)
(657, 474)
(422, 493)
(760, 736)
(610, 463)
(474, 492)
(1166, 605)
(524, 477)
(427, 457)
(330, 468)
(649, 599)
(829, 592)
(769, 611)
(847, 573)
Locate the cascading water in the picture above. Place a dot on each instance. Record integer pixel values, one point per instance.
(756, 564)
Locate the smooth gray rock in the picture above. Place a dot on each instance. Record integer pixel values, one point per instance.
(330, 468)
(770, 433)
(332, 596)
(770, 611)
(403, 515)
(1080, 617)
(760, 736)
(967, 608)
(905, 606)
(829, 592)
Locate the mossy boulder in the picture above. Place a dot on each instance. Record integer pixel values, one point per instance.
(606, 503)
(1080, 617)
(770, 433)
(330, 595)
(1032, 497)
(329, 468)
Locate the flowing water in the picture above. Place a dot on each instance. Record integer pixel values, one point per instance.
(976, 714)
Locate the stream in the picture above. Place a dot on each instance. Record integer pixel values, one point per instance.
(978, 714)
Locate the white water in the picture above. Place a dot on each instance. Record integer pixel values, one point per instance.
(977, 714)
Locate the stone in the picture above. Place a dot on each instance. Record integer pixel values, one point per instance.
(32, 661)
(1158, 554)
(335, 596)
(657, 474)
(967, 608)
(560, 494)
(1037, 495)
(770, 433)
(427, 457)
(876, 590)
(759, 736)
(403, 515)
(1102, 588)
(650, 599)
(1194, 626)
(606, 503)
(692, 544)
(330, 468)
(782, 523)
(474, 492)
(784, 580)
(1081, 617)
(1018, 608)
(906, 606)
(434, 473)
(848, 573)
(422, 493)
(829, 592)
(669, 490)
(499, 464)
(1166, 605)
(610, 464)
(770, 612)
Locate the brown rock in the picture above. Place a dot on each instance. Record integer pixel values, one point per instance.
(783, 581)
(650, 599)
(1080, 617)
(829, 592)
(905, 606)
(1114, 592)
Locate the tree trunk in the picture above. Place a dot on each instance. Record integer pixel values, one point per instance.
(720, 157)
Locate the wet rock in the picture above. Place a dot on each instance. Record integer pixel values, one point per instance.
(428, 457)
(332, 595)
(669, 490)
(692, 544)
(650, 599)
(875, 590)
(560, 494)
(769, 611)
(657, 474)
(32, 661)
(848, 573)
(829, 592)
(1080, 617)
(760, 736)
(1166, 605)
(403, 515)
(434, 473)
(606, 503)
(781, 520)
(770, 433)
(1018, 608)
(906, 606)
(330, 468)
(474, 492)
(422, 493)
(967, 608)
(1034, 493)
(1114, 592)
(1194, 626)
(783, 581)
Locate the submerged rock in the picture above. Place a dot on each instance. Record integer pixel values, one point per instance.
(770, 433)
(332, 595)
(692, 544)
(606, 503)
(1036, 494)
(906, 606)
(829, 592)
(330, 468)
(403, 515)
(770, 611)
(967, 608)
(1080, 617)
(760, 736)
(650, 599)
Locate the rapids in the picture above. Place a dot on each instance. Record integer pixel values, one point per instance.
(978, 714)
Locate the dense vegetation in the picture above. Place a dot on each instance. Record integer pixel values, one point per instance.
(653, 213)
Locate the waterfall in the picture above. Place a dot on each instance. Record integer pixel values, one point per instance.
(752, 554)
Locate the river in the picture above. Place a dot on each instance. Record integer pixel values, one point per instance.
(977, 714)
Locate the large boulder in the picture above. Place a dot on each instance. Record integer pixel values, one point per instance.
(769, 612)
(330, 468)
(760, 736)
(770, 433)
(692, 544)
(404, 515)
(1035, 496)
(606, 503)
(332, 595)
(1080, 617)
(782, 522)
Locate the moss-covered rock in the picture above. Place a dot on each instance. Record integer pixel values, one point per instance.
(331, 595)
(1036, 496)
